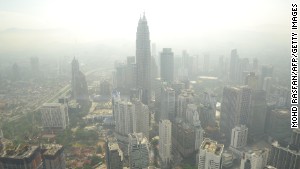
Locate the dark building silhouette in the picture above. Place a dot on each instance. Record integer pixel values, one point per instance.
(143, 60)
(167, 65)
(53, 156)
(79, 85)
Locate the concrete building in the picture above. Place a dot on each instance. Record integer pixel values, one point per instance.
(192, 115)
(78, 83)
(184, 98)
(143, 60)
(283, 158)
(53, 156)
(124, 112)
(256, 159)
(278, 124)
(165, 141)
(167, 65)
(210, 155)
(141, 118)
(252, 81)
(235, 109)
(21, 157)
(295, 140)
(138, 151)
(167, 103)
(114, 155)
(258, 112)
(239, 136)
(54, 116)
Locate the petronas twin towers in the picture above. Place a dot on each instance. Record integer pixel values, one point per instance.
(143, 60)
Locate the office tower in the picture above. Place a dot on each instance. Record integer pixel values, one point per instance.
(138, 151)
(167, 65)
(266, 71)
(121, 70)
(114, 155)
(267, 84)
(235, 108)
(167, 103)
(295, 140)
(239, 136)
(207, 110)
(22, 156)
(79, 85)
(257, 116)
(256, 159)
(186, 97)
(165, 140)
(54, 116)
(143, 60)
(255, 66)
(154, 70)
(234, 61)
(210, 153)
(124, 112)
(243, 69)
(192, 115)
(278, 124)
(53, 156)
(141, 118)
(252, 81)
(283, 158)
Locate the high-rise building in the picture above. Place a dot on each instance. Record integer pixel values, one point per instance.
(165, 140)
(283, 158)
(258, 111)
(124, 112)
(235, 108)
(21, 157)
(186, 97)
(295, 140)
(234, 60)
(138, 151)
(53, 156)
(54, 116)
(210, 154)
(167, 65)
(239, 136)
(167, 103)
(141, 118)
(143, 60)
(266, 71)
(252, 81)
(256, 159)
(192, 115)
(114, 155)
(278, 124)
(78, 83)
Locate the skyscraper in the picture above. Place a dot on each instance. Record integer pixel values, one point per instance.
(123, 113)
(53, 156)
(210, 153)
(143, 60)
(78, 83)
(167, 103)
(256, 159)
(235, 108)
(138, 151)
(165, 143)
(141, 122)
(167, 65)
(234, 59)
(114, 155)
(239, 136)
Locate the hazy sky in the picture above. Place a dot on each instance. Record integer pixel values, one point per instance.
(196, 25)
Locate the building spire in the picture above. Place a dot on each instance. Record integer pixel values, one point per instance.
(144, 16)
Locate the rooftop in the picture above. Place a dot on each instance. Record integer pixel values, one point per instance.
(212, 146)
(51, 149)
(18, 152)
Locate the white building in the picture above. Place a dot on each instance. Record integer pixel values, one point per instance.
(124, 112)
(138, 151)
(141, 123)
(255, 159)
(210, 153)
(54, 116)
(167, 103)
(239, 136)
(165, 140)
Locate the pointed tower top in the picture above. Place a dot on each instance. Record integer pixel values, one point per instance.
(144, 16)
